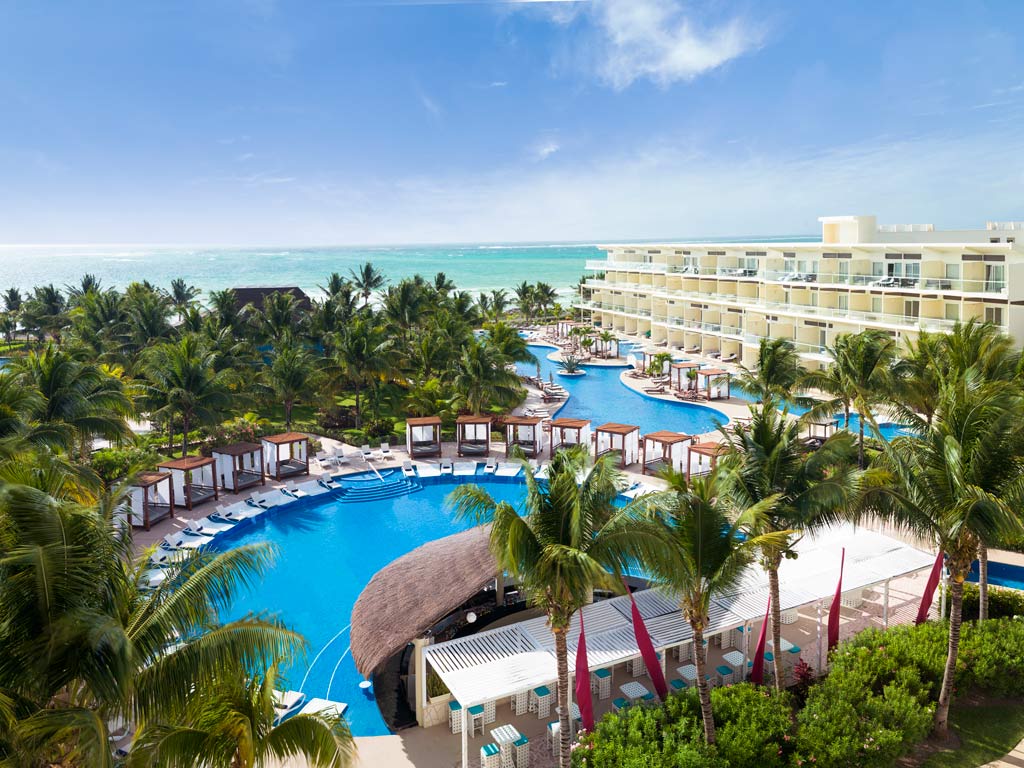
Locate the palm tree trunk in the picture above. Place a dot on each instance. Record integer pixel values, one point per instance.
(700, 657)
(287, 415)
(773, 587)
(860, 444)
(184, 435)
(956, 608)
(359, 415)
(562, 657)
(982, 582)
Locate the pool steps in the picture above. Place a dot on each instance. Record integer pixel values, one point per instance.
(389, 489)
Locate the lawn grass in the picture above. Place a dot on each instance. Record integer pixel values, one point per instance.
(987, 731)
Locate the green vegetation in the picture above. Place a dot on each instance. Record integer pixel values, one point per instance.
(986, 732)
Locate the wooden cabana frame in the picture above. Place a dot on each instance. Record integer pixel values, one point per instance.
(193, 479)
(285, 455)
(711, 451)
(679, 374)
(524, 432)
(621, 438)
(240, 466)
(710, 384)
(648, 362)
(423, 436)
(473, 435)
(569, 432)
(151, 499)
(664, 449)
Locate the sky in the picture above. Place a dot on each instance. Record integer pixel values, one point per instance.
(395, 121)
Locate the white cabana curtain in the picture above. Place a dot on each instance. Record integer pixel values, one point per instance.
(628, 445)
(569, 436)
(417, 435)
(476, 432)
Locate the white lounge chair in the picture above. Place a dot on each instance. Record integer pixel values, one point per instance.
(367, 453)
(327, 482)
(204, 526)
(153, 578)
(287, 703)
(508, 468)
(428, 470)
(324, 459)
(465, 468)
(310, 488)
(408, 469)
(385, 451)
(292, 489)
(446, 467)
(491, 465)
(182, 540)
(240, 510)
(268, 499)
(339, 456)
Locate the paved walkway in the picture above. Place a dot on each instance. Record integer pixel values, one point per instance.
(1014, 759)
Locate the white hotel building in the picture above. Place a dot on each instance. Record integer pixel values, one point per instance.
(707, 298)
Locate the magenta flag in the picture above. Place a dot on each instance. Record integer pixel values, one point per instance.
(650, 657)
(833, 612)
(583, 698)
(929, 590)
(757, 670)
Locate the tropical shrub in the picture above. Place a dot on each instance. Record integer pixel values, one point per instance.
(113, 464)
(1002, 603)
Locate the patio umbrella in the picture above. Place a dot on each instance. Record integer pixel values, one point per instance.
(757, 670)
(583, 696)
(833, 612)
(650, 656)
(929, 589)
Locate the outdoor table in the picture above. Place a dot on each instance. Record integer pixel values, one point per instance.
(786, 645)
(734, 659)
(688, 672)
(505, 736)
(633, 690)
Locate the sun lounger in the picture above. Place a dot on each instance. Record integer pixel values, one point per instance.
(182, 540)
(729, 358)
(542, 472)
(240, 510)
(508, 468)
(311, 488)
(465, 468)
(428, 470)
(206, 527)
(327, 482)
(654, 390)
(323, 707)
(491, 465)
(274, 498)
(366, 453)
(385, 451)
(153, 578)
(324, 459)
(291, 489)
(408, 469)
(286, 704)
(446, 467)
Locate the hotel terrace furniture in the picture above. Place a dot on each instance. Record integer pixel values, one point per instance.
(525, 432)
(239, 466)
(727, 297)
(473, 435)
(701, 451)
(714, 382)
(621, 438)
(602, 683)
(423, 436)
(540, 701)
(505, 736)
(679, 374)
(193, 479)
(489, 756)
(664, 449)
(286, 455)
(151, 499)
(522, 747)
(633, 690)
(569, 432)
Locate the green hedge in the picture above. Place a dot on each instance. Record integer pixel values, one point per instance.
(1002, 602)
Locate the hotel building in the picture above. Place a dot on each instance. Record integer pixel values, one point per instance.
(723, 298)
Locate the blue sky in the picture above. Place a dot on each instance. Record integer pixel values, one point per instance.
(386, 121)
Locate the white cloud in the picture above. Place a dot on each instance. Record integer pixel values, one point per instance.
(659, 41)
(498, 84)
(545, 148)
(429, 104)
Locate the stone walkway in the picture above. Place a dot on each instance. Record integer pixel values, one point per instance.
(1014, 759)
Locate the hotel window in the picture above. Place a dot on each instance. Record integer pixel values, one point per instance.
(952, 271)
(877, 269)
(952, 311)
(843, 271)
(876, 304)
(912, 308)
(994, 315)
(994, 277)
(822, 337)
(912, 271)
(814, 299)
(844, 302)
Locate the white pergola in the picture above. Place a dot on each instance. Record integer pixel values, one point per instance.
(496, 664)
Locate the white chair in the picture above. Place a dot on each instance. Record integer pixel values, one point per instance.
(292, 489)
(489, 756)
(447, 467)
(206, 527)
(455, 716)
(518, 702)
(522, 747)
(408, 469)
(491, 465)
(490, 711)
(366, 453)
(182, 540)
(340, 457)
(385, 450)
(554, 729)
(324, 459)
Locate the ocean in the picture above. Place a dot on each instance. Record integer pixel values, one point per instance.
(473, 267)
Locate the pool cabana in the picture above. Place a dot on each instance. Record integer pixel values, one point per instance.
(151, 498)
(285, 455)
(623, 439)
(649, 355)
(715, 383)
(193, 479)
(423, 436)
(679, 374)
(821, 430)
(569, 432)
(239, 466)
(701, 451)
(525, 432)
(473, 435)
(664, 449)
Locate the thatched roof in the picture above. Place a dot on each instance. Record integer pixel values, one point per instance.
(413, 593)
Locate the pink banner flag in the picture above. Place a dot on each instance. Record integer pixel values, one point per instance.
(929, 590)
(583, 697)
(833, 612)
(650, 657)
(757, 670)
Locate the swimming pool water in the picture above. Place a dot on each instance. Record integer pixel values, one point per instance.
(1001, 574)
(328, 551)
(601, 397)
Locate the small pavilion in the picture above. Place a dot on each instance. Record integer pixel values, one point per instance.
(664, 449)
(568, 432)
(423, 436)
(473, 435)
(821, 430)
(285, 455)
(151, 498)
(621, 438)
(649, 355)
(701, 451)
(679, 374)
(239, 466)
(711, 380)
(193, 479)
(525, 432)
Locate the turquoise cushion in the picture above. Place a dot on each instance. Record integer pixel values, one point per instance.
(724, 670)
(620, 703)
(678, 684)
(795, 649)
(477, 710)
(489, 749)
(542, 691)
(454, 706)
(603, 673)
(648, 697)
(769, 656)
(522, 741)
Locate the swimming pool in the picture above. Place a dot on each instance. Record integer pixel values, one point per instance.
(329, 548)
(1001, 574)
(601, 397)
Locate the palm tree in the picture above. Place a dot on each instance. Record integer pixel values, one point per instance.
(607, 338)
(796, 488)
(525, 298)
(707, 556)
(571, 540)
(959, 483)
(507, 342)
(443, 284)
(183, 296)
(87, 285)
(224, 308)
(481, 379)
(361, 357)
(12, 300)
(860, 376)
(46, 310)
(544, 296)
(279, 319)
(182, 378)
(778, 373)
(367, 279)
(404, 306)
(290, 377)
(499, 303)
(917, 377)
(335, 284)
